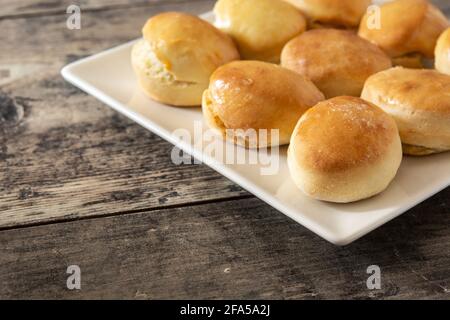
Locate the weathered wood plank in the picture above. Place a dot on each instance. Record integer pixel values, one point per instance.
(13, 8)
(63, 154)
(239, 249)
(95, 167)
(46, 41)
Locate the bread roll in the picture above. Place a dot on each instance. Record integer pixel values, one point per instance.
(442, 53)
(177, 55)
(343, 150)
(337, 61)
(259, 27)
(245, 96)
(342, 13)
(407, 26)
(419, 101)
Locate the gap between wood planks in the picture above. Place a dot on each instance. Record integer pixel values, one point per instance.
(59, 11)
(126, 212)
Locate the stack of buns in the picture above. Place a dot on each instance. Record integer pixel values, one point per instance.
(271, 64)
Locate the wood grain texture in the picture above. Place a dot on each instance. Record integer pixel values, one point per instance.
(14, 8)
(239, 249)
(64, 154)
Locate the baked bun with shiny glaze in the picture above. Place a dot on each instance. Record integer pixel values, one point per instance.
(249, 96)
(177, 55)
(407, 26)
(419, 101)
(342, 13)
(337, 61)
(344, 150)
(442, 53)
(260, 28)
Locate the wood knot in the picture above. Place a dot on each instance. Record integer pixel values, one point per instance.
(11, 112)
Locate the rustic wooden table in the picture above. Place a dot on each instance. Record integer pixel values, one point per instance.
(82, 185)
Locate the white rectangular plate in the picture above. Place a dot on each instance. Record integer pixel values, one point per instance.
(108, 76)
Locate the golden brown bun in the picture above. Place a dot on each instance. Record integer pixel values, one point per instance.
(245, 95)
(178, 54)
(343, 150)
(407, 26)
(442, 53)
(259, 27)
(337, 61)
(419, 101)
(341, 13)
